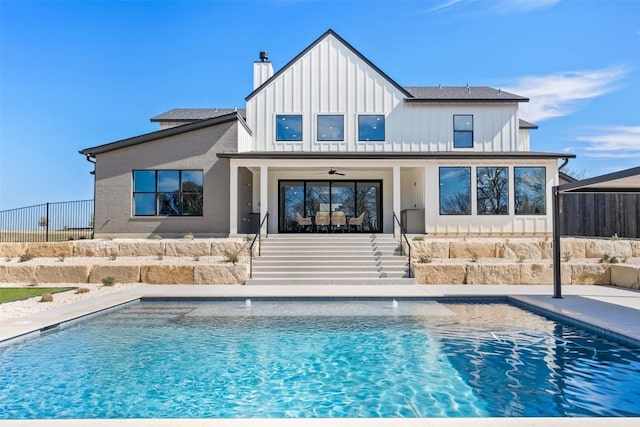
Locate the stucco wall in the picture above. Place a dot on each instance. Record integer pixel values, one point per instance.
(192, 150)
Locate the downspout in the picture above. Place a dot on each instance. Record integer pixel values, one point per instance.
(564, 163)
(91, 159)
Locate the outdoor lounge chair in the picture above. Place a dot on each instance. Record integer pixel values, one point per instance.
(338, 219)
(322, 220)
(357, 222)
(303, 222)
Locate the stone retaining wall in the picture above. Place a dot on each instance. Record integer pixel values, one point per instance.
(173, 273)
(451, 261)
(125, 248)
(526, 248)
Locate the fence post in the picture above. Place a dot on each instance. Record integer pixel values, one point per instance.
(46, 218)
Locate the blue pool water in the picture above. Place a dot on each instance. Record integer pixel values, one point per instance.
(318, 359)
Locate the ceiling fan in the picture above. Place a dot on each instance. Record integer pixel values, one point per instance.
(332, 171)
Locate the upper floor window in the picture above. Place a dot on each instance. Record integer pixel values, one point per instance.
(167, 192)
(330, 128)
(463, 131)
(289, 127)
(371, 127)
(530, 190)
(493, 191)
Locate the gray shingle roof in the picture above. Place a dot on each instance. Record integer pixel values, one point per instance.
(527, 125)
(193, 114)
(460, 93)
(152, 136)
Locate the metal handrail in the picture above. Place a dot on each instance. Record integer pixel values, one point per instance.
(257, 237)
(403, 234)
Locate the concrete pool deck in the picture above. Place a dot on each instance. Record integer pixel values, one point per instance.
(613, 310)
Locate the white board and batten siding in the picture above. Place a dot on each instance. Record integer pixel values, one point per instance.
(331, 79)
(509, 224)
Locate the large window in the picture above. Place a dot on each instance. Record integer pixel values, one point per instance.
(307, 198)
(289, 127)
(493, 191)
(463, 131)
(371, 128)
(455, 191)
(530, 190)
(167, 192)
(330, 128)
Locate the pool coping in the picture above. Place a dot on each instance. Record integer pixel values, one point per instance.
(609, 310)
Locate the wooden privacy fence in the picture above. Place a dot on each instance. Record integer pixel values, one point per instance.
(602, 215)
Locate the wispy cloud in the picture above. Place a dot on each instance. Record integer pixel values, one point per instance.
(560, 94)
(495, 7)
(614, 142)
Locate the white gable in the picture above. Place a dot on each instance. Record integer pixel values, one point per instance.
(329, 78)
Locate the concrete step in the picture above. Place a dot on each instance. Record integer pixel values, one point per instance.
(372, 274)
(325, 282)
(331, 258)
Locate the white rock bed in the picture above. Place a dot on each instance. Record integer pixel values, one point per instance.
(15, 309)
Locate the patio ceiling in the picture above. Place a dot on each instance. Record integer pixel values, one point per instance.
(625, 181)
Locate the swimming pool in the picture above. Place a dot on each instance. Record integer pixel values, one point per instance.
(270, 359)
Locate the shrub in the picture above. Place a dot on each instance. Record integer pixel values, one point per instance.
(108, 281)
(605, 258)
(418, 238)
(46, 298)
(615, 236)
(154, 237)
(231, 257)
(82, 290)
(424, 259)
(25, 257)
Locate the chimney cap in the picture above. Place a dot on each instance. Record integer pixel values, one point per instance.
(264, 56)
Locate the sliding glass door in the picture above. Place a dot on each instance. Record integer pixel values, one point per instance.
(306, 198)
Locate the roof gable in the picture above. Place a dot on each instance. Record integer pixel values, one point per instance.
(329, 33)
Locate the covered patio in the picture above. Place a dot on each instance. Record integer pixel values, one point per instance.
(621, 182)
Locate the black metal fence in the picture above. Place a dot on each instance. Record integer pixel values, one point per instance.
(600, 215)
(48, 222)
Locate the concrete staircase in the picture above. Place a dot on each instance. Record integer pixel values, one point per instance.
(328, 259)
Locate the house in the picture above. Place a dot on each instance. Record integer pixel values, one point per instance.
(330, 131)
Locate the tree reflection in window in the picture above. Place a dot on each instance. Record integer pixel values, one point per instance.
(530, 190)
(493, 191)
(167, 193)
(455, 191)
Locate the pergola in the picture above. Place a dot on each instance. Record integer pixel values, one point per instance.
(625, 181)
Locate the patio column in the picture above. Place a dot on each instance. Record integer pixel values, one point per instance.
(264, 195)
(233, 198)
(396, 197)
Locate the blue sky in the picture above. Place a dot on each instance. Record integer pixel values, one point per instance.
(76, 74)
